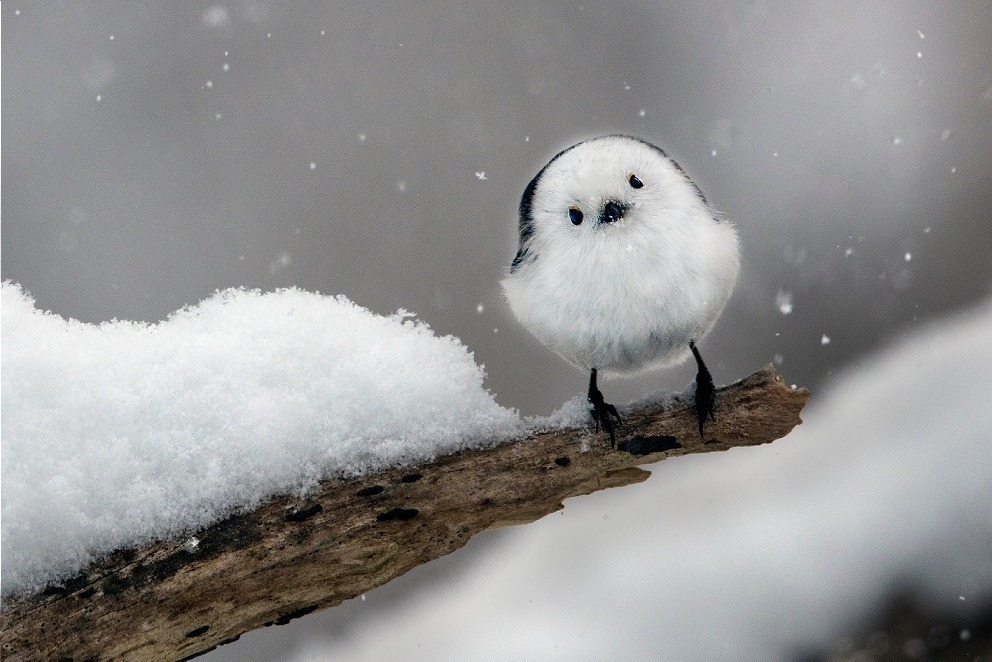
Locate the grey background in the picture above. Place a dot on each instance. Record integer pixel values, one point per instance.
(139, 174)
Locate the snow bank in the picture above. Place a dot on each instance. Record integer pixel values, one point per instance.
(118, 433)
(752, 554)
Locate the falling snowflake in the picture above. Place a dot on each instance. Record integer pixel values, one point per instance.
(783, 301)
(217, 17)
(281, 261)
(481, 175)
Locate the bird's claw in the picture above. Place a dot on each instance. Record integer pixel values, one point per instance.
(603, 412)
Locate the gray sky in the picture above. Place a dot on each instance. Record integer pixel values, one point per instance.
(154, 152)
(139, 174)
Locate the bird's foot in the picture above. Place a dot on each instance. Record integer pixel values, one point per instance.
(705, 390)
(603, 412)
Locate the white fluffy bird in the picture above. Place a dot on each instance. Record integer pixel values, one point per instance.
(622, 266)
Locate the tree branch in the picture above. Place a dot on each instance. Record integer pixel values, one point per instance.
(177, 599)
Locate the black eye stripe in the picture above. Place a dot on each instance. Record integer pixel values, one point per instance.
(634, 181)
(575, 215)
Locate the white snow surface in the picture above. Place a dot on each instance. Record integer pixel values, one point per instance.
(752, 554)
(123, 432)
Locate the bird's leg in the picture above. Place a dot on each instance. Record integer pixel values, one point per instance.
(601, 410)
(705, 391)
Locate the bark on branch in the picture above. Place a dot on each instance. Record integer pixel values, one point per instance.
(176, 599)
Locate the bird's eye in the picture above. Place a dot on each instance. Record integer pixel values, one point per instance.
(634, 181)
(575, 215)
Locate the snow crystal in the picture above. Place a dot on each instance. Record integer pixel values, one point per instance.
(573, 413)
(124, 432)
(783, 301)
(280, 263)
(825, 340)
(216, 17)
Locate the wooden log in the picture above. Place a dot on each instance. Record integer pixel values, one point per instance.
(180, 598)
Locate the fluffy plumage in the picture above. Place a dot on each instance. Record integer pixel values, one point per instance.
(619, 295)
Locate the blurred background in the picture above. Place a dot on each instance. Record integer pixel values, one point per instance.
(156, 152)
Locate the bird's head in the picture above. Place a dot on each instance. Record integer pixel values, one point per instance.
(602, 192)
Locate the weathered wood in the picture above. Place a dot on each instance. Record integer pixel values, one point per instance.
(176, 599)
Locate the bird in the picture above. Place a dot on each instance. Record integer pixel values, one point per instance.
(621, 266)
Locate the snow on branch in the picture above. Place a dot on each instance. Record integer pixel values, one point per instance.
(291, 557)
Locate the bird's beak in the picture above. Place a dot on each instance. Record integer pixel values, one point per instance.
(612, 211)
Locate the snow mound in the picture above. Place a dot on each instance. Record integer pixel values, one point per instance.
(120, 433)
